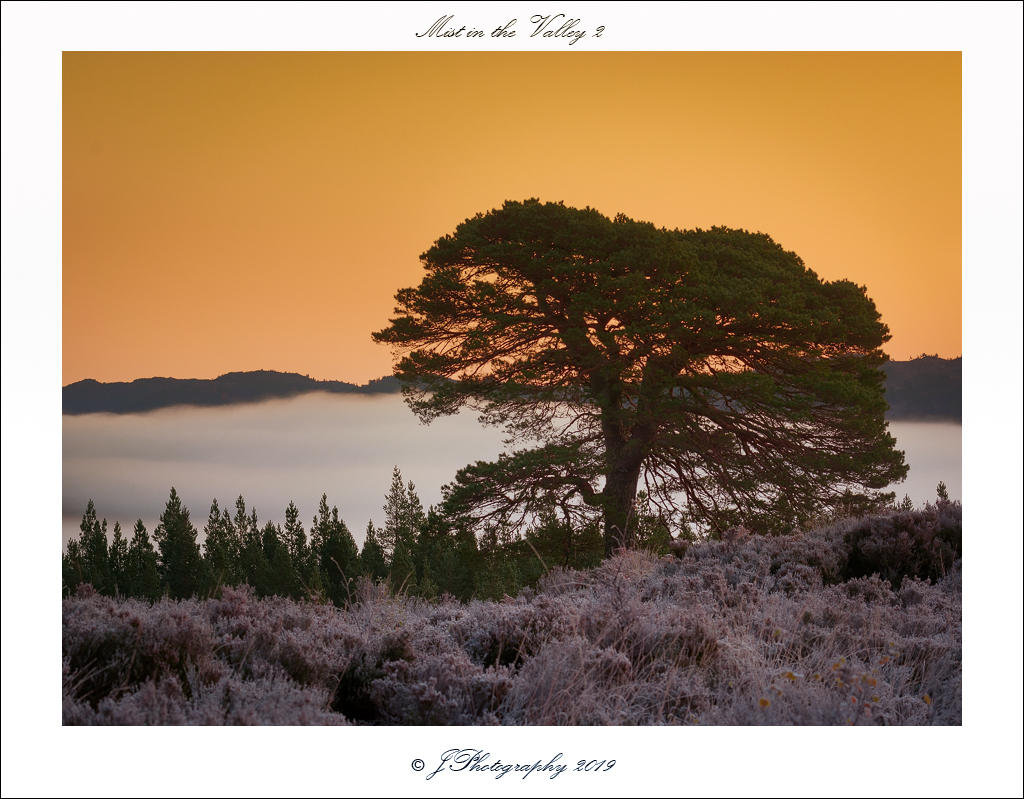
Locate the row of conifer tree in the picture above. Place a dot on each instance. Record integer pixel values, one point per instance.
(416, 553)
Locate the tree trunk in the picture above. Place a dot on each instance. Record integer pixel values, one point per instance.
(626, 444)
(624, 462)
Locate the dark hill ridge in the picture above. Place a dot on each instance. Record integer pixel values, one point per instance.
(150, 393)
(924, 388)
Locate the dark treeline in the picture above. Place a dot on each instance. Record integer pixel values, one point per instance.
(416, 553)
(925, 388)
(150, 393)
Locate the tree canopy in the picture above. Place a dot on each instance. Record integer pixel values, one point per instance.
(711, 366)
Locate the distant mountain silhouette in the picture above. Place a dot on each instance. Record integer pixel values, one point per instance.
(928, 387)
(150, 393)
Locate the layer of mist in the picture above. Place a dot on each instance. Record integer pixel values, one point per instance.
(345, 446)
(270, 453)
(934, 452)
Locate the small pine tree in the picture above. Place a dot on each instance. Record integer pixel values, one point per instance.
(314, 584)
(372, 558)
(403, 570)
(415, 518)
(499, 578)
(394, 515)
(434, 538)
(456, 567)
(281, 579)
(220, 559)
(304, 560)
(94, 558)
(446, 557)
(558, 543)
(143, 575)
(403, 517)
(252, 562)
(234, 538)
(71, 568)
(499, 574)
(340, 559)
(180, 562)
(118, 560)
(318, 530)
(241, 524)
(428, 589)
(294, 536)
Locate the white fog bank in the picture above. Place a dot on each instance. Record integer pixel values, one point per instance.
(934, 452)
(345, 446)
(270, 453)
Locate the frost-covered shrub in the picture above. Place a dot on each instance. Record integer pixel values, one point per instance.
(230, 701)
(109, 645)
(752, 630)
(902, 544)
(895, 545)
(445, 688)
(230, 660)
(309, 643)
(508, 632)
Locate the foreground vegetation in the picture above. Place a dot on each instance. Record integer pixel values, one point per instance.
(857, 621)
(421, 554)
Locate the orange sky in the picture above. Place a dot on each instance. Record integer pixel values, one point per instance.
(238, 211)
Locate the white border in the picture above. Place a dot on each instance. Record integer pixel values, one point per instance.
(976, 760)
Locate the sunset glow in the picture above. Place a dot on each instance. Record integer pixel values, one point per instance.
(239, 211)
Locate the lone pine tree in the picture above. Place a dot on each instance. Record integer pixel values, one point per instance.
(710, 365)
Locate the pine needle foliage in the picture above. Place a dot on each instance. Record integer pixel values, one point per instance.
(712, 367)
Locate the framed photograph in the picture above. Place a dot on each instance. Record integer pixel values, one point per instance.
(476, 367)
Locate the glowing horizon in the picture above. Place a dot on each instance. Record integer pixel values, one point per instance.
(231, 212)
